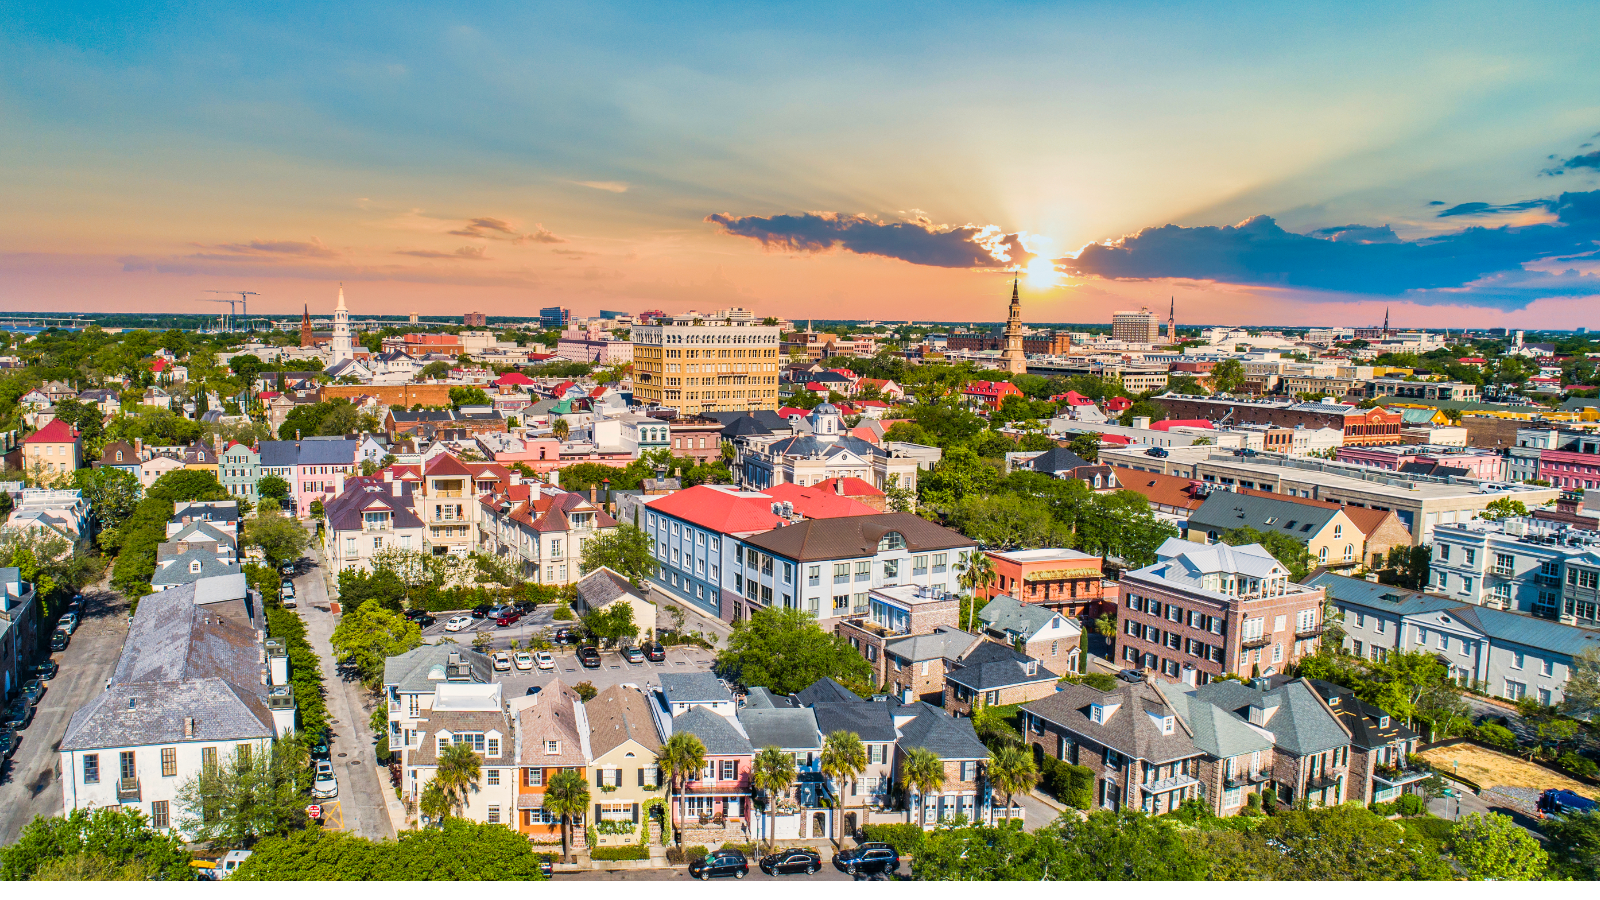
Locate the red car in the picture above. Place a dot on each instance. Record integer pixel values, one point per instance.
(509, 617)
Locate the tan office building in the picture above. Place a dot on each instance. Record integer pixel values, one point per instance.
(1140, 327)
(696, 365)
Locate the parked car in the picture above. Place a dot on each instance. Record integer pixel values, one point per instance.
(655, 652)
(497, 611)
(324, 786)
(561, 636)
(458, 623)
(790, 862)
(633, 655)
(546, 865)
(44, 671)
(288, 600)
(286, 590)
(1131, 676)
(59, 641)
(68, 623)
(502, 661)
(8, 743)
(508, 618)
(1561, 803)
(589, 657)
(286, 569)
(18, 715)
(317, 743)
(33, 691)
(423, 618)
(481, 610)
(524, 660)
(867, 859)
(544, 660)
(720, 864)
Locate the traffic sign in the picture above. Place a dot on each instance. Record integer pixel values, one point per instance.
(314, 811)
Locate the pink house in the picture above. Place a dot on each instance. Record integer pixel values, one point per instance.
(1483, 465)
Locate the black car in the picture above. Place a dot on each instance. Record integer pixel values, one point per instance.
(720, 864)
(317, 743)
(8, 743)
(481, 610)
(33, 691)
(420, 616)
(589, 657)
(790, 862)
(59, 641)
(18, 715)
(867, 859)
(563, 636)
(655, 652)
(44, 671)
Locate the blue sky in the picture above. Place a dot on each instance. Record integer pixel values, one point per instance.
(148, 148)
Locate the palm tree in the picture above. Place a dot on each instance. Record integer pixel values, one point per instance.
(457, 774)
(921, 772)
(975, 573)
(843, 758)
(773, 775)
(681, 756)
(1012, 772)
(561, 428)
(567, 796)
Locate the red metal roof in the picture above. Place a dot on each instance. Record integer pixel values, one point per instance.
(57, 432)
(721, 511)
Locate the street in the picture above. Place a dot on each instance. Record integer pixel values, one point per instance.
(29, 784)
(826, 873)
(364, 790)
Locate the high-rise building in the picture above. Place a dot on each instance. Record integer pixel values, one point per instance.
(1140, 327)
(709, 366)
(342, 346)
(1016, 361)
(554, 317)
(474, 319)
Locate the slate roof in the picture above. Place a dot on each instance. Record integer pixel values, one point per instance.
(345, 512)
(457, 720)
(555, 714)
(991, 666)
(1130, 730)
(201, 531)
(944, 642)
(1302, 725)
(1215, 730)
(603, 586)
(766, 418)
(617, 714)
(871, 720)
(850, 537)
(718, 734)
(1224, 511)
(1006, 614)
(693, 687)
(178, 569)
(1059, 459)
(745, 426)
(826, 690)
(409, 671)
(331, 452)
(1361, 718)
(786, 729)
(945, 736)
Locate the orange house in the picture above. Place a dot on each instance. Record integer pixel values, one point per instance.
(554, 737)
(1065, 581)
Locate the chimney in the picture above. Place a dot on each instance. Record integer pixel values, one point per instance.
(297, 434)
(397, 488)
(188, 726)
(138, 447)
(388, 475)
(838, 486)
(592, 498)
(338, 484)
(516, 478)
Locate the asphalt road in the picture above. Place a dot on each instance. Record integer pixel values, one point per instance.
(30, 783)
(826, 873)
(361, 807)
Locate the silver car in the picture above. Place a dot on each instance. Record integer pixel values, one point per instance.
(324, 786)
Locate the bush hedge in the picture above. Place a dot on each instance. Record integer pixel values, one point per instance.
(680, 855)
(905, 838)
(626, 851)
(1072, 785)
(305, 674)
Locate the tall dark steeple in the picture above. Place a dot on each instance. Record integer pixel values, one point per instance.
(1172, 320)
(307, 339)
(1386, 321)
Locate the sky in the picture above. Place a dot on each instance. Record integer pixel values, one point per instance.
(1253, 163)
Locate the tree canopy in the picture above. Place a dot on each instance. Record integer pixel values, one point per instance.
(107, 838)
(456, 850)
(368, 635)
(784, 650)
(626, 550)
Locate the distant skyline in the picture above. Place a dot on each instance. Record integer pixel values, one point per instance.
(1295, 164)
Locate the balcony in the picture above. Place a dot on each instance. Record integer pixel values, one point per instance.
(1253, 643)
(1323, 781)
(1399, 776)
(1173, 783)
(1503, 572)
(1547, 580)
(127, 790)
(1313, 631)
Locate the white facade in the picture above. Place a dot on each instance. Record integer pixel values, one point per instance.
(341, 345)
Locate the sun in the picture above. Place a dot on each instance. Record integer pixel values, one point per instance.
(1042, 272)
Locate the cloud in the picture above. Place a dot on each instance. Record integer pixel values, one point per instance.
(917, 241)
(1589, 160)
(472, 253)
(1477, 264)
(1489, 209)
(313, 248)
(615, 187)
(501, 230)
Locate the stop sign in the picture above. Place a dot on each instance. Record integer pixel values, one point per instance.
(314, 811)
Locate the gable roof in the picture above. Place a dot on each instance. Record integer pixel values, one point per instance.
(1161, 490)
(855, 536)
(1059, 459)
(618, 714)
(826, 690)
(603, 586)
(870, 720)
(409, 672)
(990, 666)
(554, 714)
(946, 736)
(694, 687)
(55, 431)
(1130, 730)
(944, 642)
(718, 734)
(1005, 613)
(1225, 511)
(1360, 718)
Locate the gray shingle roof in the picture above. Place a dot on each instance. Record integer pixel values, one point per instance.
(991, 666)
(943, 643)
(409, 671)
(1224, 511)
(602, 586)
(786, 729)
(871, 720)
(178, 569)
(1005, 613)
(718, 734)
(848, 537)
(826, 690)
(1302, 725)
(694, 687)
(1130, 730)
(946, 736)
(1215, 730)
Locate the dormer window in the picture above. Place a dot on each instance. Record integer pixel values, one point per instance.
(552, 748)
(1383, 721)
(194, 567)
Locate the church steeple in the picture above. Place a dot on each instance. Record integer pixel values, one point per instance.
(307, 339)
(1015, 359)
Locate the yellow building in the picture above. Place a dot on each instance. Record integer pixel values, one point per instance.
(696, 365)
(52, 452)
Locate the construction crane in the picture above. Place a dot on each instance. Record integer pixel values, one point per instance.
(244, 305)
(225, 323)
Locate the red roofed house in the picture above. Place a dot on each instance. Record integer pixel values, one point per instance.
(1118, 404)
(990, 393)
(540, 529)
(886, 388)
(513, 379)
(834, 497)
(52, 451)
(1169, 424)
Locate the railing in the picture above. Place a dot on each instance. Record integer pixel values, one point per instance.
(127, 790)
(1310, 632)
(1503, 572)
(1253, 643)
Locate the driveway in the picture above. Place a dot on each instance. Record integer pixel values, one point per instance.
(30, 783)
(364, 790)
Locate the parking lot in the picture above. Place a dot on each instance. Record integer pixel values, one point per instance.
(613, 670)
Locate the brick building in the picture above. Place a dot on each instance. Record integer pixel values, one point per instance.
(1045, 343)
(893, 612)
(1360, 426)
(1062, 580)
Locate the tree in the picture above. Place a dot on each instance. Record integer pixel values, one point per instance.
(1503, 508)
(1142, 409)
(368, 635)
(681, 756)
(251, 795)
(468, 396)
(567, 796)
(457, 774)
(1582, 691)
(1126, 845)
(843, 758)
(626, 550)
(1012, 771)
(119, 835)
(561, 428)
(1493, 847)
(280, 537)
(897, 498)
(784, 650)
(273, 487)
(456, 850)
(437, 369)
(612, 624)
(1227, 376)
(1341, 843)
(113, 494)
(975, 573)
(921, 773)
(1574, 845)
(1087, 446)
(773, 775)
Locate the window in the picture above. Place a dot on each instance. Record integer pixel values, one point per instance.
(160, 814)
(208, 757)
(1472, 556)
(494, 815)
(1515, 690)
(969, 770)
(1338, 531)
(939, 562)
(169, 762)
(841, 603)
(492, 777)
(891, 569)
(813, 575)
(91, 768)
(1277, 652)
(919, 565)
(125, 765)
(730, 770)
(1547, 667)
(841, 573)
(1444, 552)
(1516, 660)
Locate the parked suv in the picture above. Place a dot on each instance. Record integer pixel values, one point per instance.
(720, 864)
(655, 652)
(789, 862)
(59, 641)
(1561, 803)
(18, 715)
(867, 859)
(589, 657)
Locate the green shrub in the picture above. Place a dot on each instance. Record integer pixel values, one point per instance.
(1382, 809)
(1498, 737)
(906, 839)
(1078, 784)
(1429, 830)
(1581, 766)
(680, 855)
(563, 613)
(749, 849)
(626, 851)
(1100, 681)
(1411, 805)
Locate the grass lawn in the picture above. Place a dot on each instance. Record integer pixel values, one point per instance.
(1490, 769)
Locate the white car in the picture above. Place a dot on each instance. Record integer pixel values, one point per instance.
(458, 623)
(324, 786)
(502, 661)
(524, 660)
(544, 659)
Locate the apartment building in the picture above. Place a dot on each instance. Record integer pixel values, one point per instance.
(1359, 426)
(1421, 390)
(1135, 327)
(1206, 610)
(312, 468)
(19, 627)
(374, 513)
(694, 365)
(1508, 654)
(1381, 747)
(696, 534)
(540, 529)
(1329, 535)
(475, 715)
(1059, 579)
(1484, 465)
